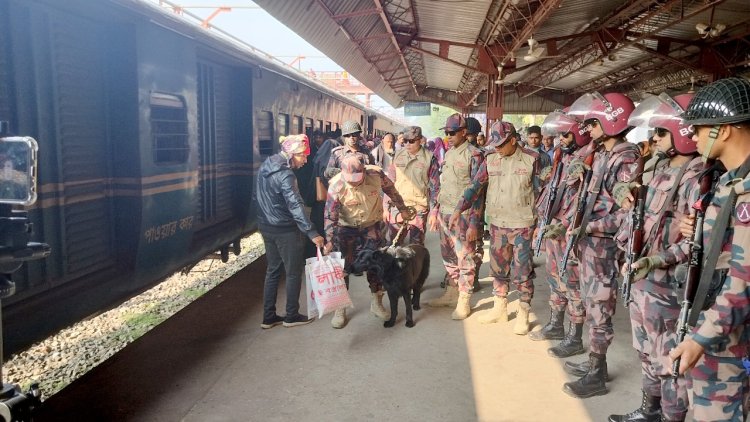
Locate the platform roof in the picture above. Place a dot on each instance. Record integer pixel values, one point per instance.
(467, 54)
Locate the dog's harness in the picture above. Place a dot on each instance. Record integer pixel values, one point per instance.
(411, 213)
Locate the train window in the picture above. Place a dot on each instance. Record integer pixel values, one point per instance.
(309, 126)
(298, 128)
(169, 128)
(328, 126)
(283, 124)
(320, 125)
(265, 132)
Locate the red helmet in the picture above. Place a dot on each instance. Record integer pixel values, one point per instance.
(663, 111)
(557, 123)
(611, 110)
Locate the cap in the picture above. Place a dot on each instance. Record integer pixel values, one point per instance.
(352, 169)
(454, 122)
(412, 132)
(473, 126)
(500, 132)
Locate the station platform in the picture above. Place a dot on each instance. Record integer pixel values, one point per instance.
(213, 362)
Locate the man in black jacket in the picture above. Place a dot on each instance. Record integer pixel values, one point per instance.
(281, 217)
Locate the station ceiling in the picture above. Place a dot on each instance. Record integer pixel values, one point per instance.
(474, 55)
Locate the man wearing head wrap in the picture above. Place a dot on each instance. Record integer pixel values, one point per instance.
(281, 218)
(511, 177)
(351, 134)
(354, 221)
(458, 243)
(416, 173)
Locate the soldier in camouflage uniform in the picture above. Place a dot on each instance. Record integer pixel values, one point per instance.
(718, 345)
(511, 177)
(457, 244)
(354, 221)
(473, 130)
(565, 292)
(615, 160)
(417, 178)
(655, 306)
(351, 132)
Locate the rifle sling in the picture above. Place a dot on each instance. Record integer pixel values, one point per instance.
(593, 194)
(667, 207)
(715, 246)
(557, 202)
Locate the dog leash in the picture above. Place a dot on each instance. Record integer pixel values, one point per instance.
(411, 213)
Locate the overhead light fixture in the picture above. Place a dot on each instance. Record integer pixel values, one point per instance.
(710, 31)
(612, 57)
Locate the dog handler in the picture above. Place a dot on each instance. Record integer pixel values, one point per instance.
(281, 217)
(354, 220)
(417, 179)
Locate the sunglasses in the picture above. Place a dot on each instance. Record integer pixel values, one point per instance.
(661, 132)
(352, 135)
(411, 141)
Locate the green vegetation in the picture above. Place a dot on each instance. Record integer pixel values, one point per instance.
(139, 324)
(194, 293)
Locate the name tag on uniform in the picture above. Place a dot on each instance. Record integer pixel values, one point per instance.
(351, 203)
(521, 172)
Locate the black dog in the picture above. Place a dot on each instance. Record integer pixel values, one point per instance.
(402, 270)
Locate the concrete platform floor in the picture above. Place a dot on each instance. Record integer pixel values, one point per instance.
(212, 362)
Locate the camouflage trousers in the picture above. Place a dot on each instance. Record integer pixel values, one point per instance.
(351, 240)
(718, 389)
(565, 293)
(599, 293)
(510, 260)
(654, 319)
(413, 233)
(458, 253)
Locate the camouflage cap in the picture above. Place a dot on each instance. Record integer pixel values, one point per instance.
(454, 122)
(412, 132)
(352, 169)
(500, 132)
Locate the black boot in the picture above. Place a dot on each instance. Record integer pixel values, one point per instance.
(591, 384)
(477, 286)
(553, 330)
(650, 411)
(571, 345)
(580, 369)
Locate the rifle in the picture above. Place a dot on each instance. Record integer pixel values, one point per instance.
(583, 197)
(695, 263)
(635, 241)
(551, 195)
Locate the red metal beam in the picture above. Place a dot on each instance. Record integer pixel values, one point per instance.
(389, 29)
(356, 13)
(445, 59)
(437, 41)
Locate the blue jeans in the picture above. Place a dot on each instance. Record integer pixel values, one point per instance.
(284, 251)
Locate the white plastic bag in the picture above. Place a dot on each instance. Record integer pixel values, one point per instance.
(326, 288)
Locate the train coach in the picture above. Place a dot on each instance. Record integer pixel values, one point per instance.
(150, 131)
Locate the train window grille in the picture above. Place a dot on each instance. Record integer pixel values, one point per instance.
(169, 128)
(328, 126)
(265, 132)
(320, 125)
(298, 127)
(309, 125)
(283, 124)
(336, 126)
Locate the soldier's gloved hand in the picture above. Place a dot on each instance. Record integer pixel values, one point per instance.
(577, 232)
(576, 168)
(622, 193)
(645, 265)
(553, 231)
(545, 173)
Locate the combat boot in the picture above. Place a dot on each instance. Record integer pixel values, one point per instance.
(339, 318)
(522, 319)
(553, 330)
(449, 298)
(376, 306)
(593, 383)
(463, 307)
(498, 313)
(650, 411)
(580, 369)
(571, 345)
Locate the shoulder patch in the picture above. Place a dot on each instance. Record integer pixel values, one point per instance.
(742, 212)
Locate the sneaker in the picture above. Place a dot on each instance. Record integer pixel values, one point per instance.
(297, 320)
(270, 323)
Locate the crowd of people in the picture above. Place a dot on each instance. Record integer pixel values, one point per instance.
(572, 183)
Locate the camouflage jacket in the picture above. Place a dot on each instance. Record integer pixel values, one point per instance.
(722, 329)
(477, 158)
(609, 167)
(663, 237)
(334, 204)
(341, 152)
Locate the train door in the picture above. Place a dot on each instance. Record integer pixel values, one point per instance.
(215, 149)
